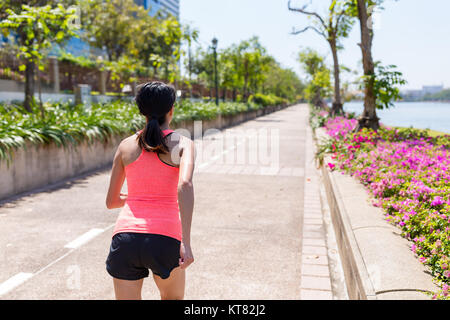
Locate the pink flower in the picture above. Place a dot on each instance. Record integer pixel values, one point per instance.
(331, 165)
(437, 201)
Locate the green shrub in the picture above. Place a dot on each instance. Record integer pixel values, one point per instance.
(269, 100)
(65, 123)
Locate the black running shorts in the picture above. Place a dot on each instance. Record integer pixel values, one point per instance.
(132, 254)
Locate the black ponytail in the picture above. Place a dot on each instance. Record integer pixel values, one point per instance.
(155, 100)
(151, 138)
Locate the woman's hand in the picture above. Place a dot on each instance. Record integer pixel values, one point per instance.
(122, 200)
(123, 196)
(186, 256)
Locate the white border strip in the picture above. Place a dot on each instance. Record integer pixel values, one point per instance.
(78, 242)
(14, 282)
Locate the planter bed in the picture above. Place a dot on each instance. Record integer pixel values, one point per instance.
(383, 185)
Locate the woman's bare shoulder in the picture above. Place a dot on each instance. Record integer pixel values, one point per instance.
(129, 144)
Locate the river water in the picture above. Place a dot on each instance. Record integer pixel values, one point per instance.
(422, 115)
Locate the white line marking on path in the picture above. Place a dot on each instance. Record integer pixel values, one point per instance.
(78, 242)
(14, 281)
(22, 277)
(217, 157)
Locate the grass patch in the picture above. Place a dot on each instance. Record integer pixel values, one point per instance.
(429, 132)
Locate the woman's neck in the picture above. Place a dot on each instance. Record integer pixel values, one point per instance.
(164, 126)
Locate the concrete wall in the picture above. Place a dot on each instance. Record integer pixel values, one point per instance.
(11, 85)
(38, 166)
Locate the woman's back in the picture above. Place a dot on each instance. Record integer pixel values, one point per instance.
(152, 201)
(153, 229)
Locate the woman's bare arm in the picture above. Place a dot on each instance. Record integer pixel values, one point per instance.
(115, 199)
(186, 198)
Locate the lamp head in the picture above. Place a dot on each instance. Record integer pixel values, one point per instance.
(214, 43)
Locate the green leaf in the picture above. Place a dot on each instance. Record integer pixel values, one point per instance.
(60, 35)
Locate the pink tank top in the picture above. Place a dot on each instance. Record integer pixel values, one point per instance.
(152, 203)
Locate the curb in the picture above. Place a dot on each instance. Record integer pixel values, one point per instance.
(359, 286)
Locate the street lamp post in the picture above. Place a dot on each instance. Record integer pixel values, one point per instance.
(214, 46)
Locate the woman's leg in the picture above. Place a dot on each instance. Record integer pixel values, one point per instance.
(128, 289)
(172, 288)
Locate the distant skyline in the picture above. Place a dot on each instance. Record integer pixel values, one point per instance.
(409, 33)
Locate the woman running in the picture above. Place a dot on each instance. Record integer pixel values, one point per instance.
(158, 164)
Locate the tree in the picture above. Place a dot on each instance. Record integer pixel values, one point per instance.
(169, 37)
(113, 25)
(202, 65)
(282, 82)
(242, 67)
(251, 61)
(158, 44)
(379, 90)
(229, 79)
(190, 35)
(246, 68)
(36, 29)
(228, 66)
(387, 78)
(128, 33)
(360, 9)
(333, 28)
(319, 86)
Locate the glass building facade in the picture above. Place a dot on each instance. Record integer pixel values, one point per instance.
(170, 6)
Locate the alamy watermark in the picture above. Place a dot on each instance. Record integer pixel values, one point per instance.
(235, 146)
(374, 18)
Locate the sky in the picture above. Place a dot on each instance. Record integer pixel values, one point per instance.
(414, 35)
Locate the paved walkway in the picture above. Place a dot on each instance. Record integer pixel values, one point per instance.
(258, 228)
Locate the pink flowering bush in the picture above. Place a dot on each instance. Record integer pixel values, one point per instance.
(408, 175)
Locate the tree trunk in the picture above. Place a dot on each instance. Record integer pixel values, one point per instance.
(368, 118)
(246, 76)
(29, 85)
(336, 108)
(224, 94)
(190, 70)
(244, 89)
(41, 106)
(317, 100)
